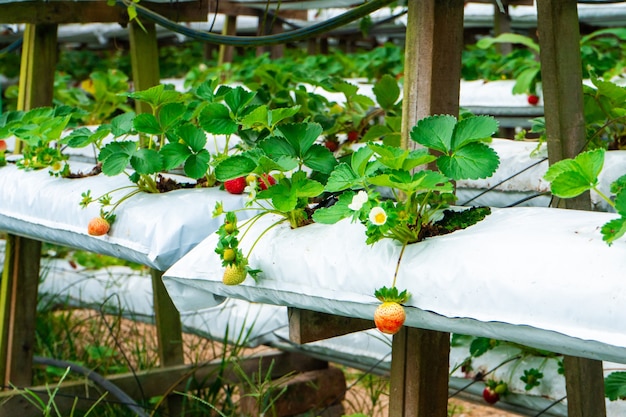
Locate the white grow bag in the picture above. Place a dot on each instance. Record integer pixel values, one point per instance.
(152, 229)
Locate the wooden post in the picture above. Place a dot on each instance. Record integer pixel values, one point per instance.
(434, 39)
(144, 58)
(561, 74)
(20, 277)
(419, 373)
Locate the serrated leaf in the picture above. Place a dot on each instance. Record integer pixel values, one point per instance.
(276, 147)
(157, 96)
(196, 165)
(146, 161)
(525, 80)
(122, 124)
(342, 178)
(613, 230)
(480, 346)
(387, 91)
(615, 386)
(570, 184)
(170, 115)
(486, 42)
(435, 132)
(283, 113)
(360, 160)
(473, 129)
(473, 161)
(336, 212)
(174, 154)
(78, 138)
(259, 117)
(233, 167)
(301, 136)
(375, 132)
(421, 181)
(237, 99)
(215, 118)
(114, 148)
(192, 136)
(147, 123)
(558, 168)
(319, 158)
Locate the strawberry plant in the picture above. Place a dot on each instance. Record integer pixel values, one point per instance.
(418, 197)
(572, 177)
(40, 131)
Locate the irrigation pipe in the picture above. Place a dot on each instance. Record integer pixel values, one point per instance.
(262, 40)
(97, 379)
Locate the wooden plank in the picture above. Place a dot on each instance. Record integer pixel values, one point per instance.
(144, 58)
(309, 326)
(59, 12)
(419, 373)
(584, 383)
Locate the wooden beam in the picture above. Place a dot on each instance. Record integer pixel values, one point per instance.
(419, 373)
(584, 383)
(309, 326)
(59, 12)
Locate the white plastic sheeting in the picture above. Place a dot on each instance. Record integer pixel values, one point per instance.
(152, 229)
(521, 274)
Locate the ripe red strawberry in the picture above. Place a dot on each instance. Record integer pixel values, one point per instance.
(236, 185)
(265, 181)
(331, 145)
(389, 317)
(533, 99)
(3, 145)
(490, 395)
(98, 226)
(234, 274)
(353, 136)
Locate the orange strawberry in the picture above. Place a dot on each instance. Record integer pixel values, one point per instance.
(98, 226)
(3, 145)
(389, 317)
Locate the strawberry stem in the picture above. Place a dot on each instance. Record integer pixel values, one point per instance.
(395, 274)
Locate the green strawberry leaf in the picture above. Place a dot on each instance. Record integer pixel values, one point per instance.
(301, 136)
(421, 181)
(215, 118)
(473, 129)
(171, 114)
(233, 167)
(147, 123)
(435, 132)
(615, 386)
(336, 212)
(618, 185)
(570, 184)
(613, 230)
(122, 124)
(78, 138)
(196, 165)
(387, 91)
(237, 99)
(473, 161)
(319, 158)
(192, 136)
(481, 345)
(115, 157)
(146, 161)
(361, 160)
(157, 96)
(174, 155)
(342, 178)
(572, 177)
(486, 42)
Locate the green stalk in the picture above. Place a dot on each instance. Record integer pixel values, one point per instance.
(395, 274)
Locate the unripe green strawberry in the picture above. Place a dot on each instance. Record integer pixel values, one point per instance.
(234, 274)
(229, 227)
(389, 317)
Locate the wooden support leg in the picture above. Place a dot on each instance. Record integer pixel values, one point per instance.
(584, 382)
(20, 276)
(169, 333)
(18, 309)
(419, 373)
(144, 58)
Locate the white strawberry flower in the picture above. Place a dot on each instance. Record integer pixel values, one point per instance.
(358, 200)
(378, 216)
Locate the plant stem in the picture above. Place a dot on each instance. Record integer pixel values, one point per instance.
(395, 274)
(604, 197)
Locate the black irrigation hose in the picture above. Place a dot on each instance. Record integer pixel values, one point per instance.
(96, 378)
(262, 40)
(14, 46)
